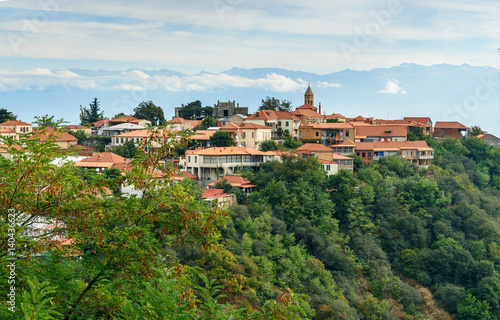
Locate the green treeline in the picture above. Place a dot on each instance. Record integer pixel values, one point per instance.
(389, 241)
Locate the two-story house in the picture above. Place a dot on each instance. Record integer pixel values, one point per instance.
(249, 135)
(327, 133)
(417, 152)
(280, 122)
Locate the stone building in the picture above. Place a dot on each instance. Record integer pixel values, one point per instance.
(228, 109)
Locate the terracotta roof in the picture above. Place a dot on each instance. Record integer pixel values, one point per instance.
(236, 181)
(99, 123)
(203, 134)
(215, 151)
(7, 131)
(14, 123)
(271, 114)
(334, 116)
(239, 126)
(3, 147)
(393, 145)
(313, 147)
(346, 143)
(421, 120)
(214, 194)
(482, 136)
(307, 107)
(43, 134)
(339, 125)
(182, 175)
(127, 119)
(102, 160)
(339, 157)
(177, 120)
(76, 127)
(307, 113)
(381, 131)
(449, 125)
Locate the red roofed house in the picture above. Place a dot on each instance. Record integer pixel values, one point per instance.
(327, 133)
(76, 127)
(237, 181)
(213, 163)
(331, 163)
(203, 137)
(418, 152)
(338, 116)
(220, 198)
(318, 150)
(97, 127)
(248, 135)
(449, 129)
(101, 161)
(63, 139)
(426, 122)
(278, 121)
(345, 148)
(490, 139)
(17, 127)
(307, 112)
(381, 133)
(181, 124)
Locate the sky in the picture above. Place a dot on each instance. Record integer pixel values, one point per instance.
(40, 41)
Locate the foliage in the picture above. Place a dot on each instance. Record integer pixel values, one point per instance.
(6, 115)
(221, 139)
(92, 114)
(240, 194)
(119, 115)
(473, 309)
(290, 143)
(127, 150)
(194, 110)
(475, 131)
(206, 123)
(275, 104)
(416, 133)
(268, 145)
(149, 111)
(333, 120)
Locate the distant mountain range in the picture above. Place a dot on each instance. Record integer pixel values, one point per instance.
(469, 94)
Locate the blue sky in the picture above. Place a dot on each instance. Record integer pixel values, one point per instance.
(43, 41)
(215, 35)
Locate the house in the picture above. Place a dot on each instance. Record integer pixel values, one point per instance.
(136, 136)
(103, 160)
(317, 150)
(228, 109)
(327, 133)
(449, 129)
(5, 153)
(202, 137)
(98, 127)
(490, 139)
(213, 163)
(249, 135)
(63, 139)
(237, 118)
(343, 162)
(329, 166)
(307, 112)
(338, 116)
(236, 181)
(77, 127)
(425, 122)
(181, 124)
(219, 198)
(16, 126)
(345, 148)
(121, 128)
(7, 133)
(369, 133)
(280, 122)
(417, 152)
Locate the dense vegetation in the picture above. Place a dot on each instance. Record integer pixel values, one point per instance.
(369, 245)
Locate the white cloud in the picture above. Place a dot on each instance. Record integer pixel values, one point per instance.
(392, 87)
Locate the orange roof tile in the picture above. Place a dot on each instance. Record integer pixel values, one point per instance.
(271, 115)
(214, 194)
(127, 119)
(14, 123)
(102, 160)
(7, 131)
(381, 131)
(421, 120)
(236, 181)
(307, 113)
(449, 125)
(76, 127)
(216, 151)
(307, 107)
(334, 116)
(43, 134)
(393, 145)
(313, 147)
(203, 134)
(332, 125)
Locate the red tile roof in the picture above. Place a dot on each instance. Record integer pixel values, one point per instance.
(393, 145)
(307, 113)
(307, 107)
(271, 115)
(381, 131)
(313, 147)
(45, 134)
(334, 116)
(202, 134)
(236, 181)
(14, 123)
(339, 125)
(449, 125)
(76, 127)
(214, 194)
(103, 160)
(421, 120)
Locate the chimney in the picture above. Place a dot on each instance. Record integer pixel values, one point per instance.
(320, 108)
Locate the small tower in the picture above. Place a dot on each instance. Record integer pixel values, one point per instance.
(309, 96)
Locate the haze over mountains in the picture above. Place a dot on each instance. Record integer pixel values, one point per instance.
(469, 94)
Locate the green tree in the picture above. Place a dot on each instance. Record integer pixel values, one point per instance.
(80, 135)
(473, 309)
(475, 131)
(149, 111)
(92, 114)
(275, 104)
(291, 143)
(206, 123)
(221, 139)
(415, 133)
(46, 121)
(333, 120)
(6, 115)
(119, 115)
(268, 145)
(194, 110)
(127, 150)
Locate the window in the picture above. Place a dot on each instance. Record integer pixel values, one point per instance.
(252, 135)
(411, 153)
(317, 133)
(388, 131)
(327, 167)
(347, 133)
(195, 159)
(369, 155)
(279, 123)
(288, 124)
(189, 158)
(406, 153)
(363, 155)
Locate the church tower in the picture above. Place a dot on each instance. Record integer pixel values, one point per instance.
(309, 96)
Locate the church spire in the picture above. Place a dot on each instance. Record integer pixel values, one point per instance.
(309, 96)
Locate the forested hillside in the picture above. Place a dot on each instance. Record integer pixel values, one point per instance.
(390, 241)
